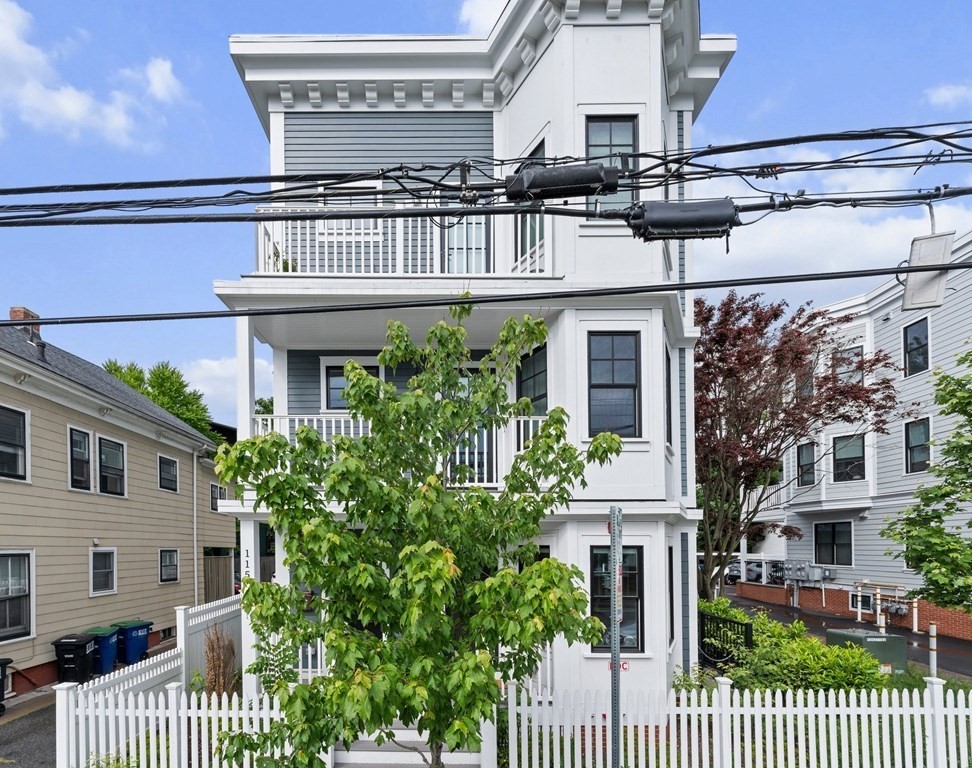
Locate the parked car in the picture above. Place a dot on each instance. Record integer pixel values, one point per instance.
(754, 572)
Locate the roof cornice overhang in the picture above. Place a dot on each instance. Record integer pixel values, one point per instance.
(331, 73)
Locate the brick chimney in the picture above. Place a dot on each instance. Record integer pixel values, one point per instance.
(22, 313)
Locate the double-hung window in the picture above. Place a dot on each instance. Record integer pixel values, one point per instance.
(531, 380)
(216, 492)
(806, 467)
(848, 458)
(917, 448)
(916, 347)
(833, 544)
(103, 568)
(529, 226)
(168, 565)
(13, 443)
(632, 603)
(847, 364)
(14, 595)
(614, 385)
(111, 467)
(337, 383)
(80, 460)
(168, 474)
(608, 138)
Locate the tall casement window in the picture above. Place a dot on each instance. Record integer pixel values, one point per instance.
(529, 226)
(846, 364)
(806, 467)
(669, 431)
(111, 467)
(13, 443)
(632, 604)
(614, 401)
(103, 571)
(848, 458)
(804, 384)
(80, 459)
(607, 139)
(916, 347)
(671, 595)
(14, 595)
(168, 565)
(531, 380)
(917, 449)
(216, 492)
(168, 474)
(336, 384)
(833, 544)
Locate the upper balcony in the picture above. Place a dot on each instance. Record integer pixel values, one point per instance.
(401, 247)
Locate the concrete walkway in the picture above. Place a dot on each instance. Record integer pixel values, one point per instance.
(954, 655)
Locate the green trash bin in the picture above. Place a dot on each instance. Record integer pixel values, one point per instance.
(106, 648)
(132, 640)
(890, 650)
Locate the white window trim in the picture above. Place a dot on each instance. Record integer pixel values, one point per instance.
(928, 322)
(92, 462)
(32, 587)
(26, 479)
(833, 458)
(904, 446)
(814, 544)
(158, 467)
(852, 594)
(339, 362)
(796, 464)
(124, 444)
(218, 497)
(114, 562)
(178, 577)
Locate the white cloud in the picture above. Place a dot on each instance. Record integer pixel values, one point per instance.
(950, 95)
(216, 379)
(477, 17)
(33, 89)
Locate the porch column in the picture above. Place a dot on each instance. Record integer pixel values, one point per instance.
(249, 566)
(245, 385)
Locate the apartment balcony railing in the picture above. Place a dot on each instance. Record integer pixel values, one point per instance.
(488, 452)
(401, 247)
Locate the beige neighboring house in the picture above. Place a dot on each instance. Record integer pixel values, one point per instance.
(107, 502)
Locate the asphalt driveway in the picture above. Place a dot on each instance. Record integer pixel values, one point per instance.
(28, 741)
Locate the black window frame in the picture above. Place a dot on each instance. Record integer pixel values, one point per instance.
(803, 468)
(846, 364)
(175, 476)
(908, 351)
(107, 474)
(832, 557)
(533, 378)
(601, 592)
(671, 594)
(75, 479)
(867, 602)
(843, 472)
(525, 243)
(24, 628)
(636, 428)
(216, 492)
(374, 370)
(603, 154)
(910, 448)
(163, 579)
(18, 449)
(669, 389)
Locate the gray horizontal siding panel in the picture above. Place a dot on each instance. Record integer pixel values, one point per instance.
(323, 142)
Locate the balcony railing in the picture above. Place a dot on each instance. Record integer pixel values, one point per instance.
(401, 247)
(488, 452)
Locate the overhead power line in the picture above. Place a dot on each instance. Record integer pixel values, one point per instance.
(510, 298)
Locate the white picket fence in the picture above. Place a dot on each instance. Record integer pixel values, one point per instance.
(150, 675)
(191, 626)
(727, 728)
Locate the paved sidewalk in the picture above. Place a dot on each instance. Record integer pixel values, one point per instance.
(954, 655)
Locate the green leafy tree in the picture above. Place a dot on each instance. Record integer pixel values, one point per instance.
(418, 571)
(934, 532)
(165, 385)
(263, 406)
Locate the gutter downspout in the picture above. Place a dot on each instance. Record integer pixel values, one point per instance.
(195, 527)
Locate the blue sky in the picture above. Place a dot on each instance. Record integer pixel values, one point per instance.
(118, 90)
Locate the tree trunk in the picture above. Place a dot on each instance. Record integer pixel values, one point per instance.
(435, 752)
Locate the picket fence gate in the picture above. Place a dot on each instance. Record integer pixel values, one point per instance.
(727, 728)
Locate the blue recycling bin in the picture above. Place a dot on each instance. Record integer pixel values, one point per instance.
(132, 640)
(106, 649)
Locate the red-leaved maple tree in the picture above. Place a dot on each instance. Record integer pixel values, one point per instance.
(765, 382)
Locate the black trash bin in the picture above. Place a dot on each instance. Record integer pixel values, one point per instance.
(4, 663)
(75, 657)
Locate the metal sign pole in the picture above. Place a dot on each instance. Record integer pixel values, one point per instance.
(617, 611)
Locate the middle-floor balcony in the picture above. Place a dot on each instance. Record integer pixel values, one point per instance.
(488, 453)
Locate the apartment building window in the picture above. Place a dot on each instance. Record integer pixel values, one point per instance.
(111, 467)
(13, 443)
(529, 226)
(337, 383)
(14, 595)
(916, 347)
(168, 474)
(804, 384)
(168, 566)
(531, 380)
(671, 595)
(80, 459)
(607, 139)
(917, 449)
(847, 364)
(632, 604)
(832, 544)
(614, 386)
(848, 458)
(806, 465)
(866, 605)
(216, 492)
(103, 571)
(669, 429)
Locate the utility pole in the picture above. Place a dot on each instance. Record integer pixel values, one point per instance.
(617, 611)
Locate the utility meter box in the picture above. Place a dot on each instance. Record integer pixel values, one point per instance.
(890, 650)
